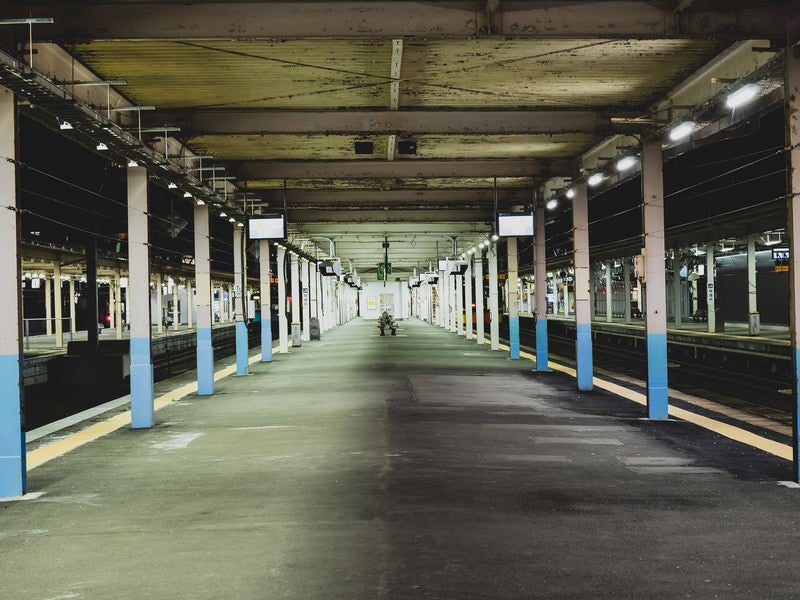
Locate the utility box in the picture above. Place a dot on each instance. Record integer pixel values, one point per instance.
(754, 326)
(314, 328)
(296, 335)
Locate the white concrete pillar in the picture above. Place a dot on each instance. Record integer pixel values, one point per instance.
(266, 300)
(609, 296)
(512, 280)
(540, 291)
(176, 315)
(626, 274)
(655, 279)
(72, 304)
(468, 298)
(676, 289)
(754, 321)
(306, 299)
(118, 304)
(459, 289)
(139, 300)
(48, 304)
(792, 106)
(494, 315)
(711, 293)
(189, 303)
(58, 302)
(159, 303)
(203, 302)
(13, 470)
(239, 296)
(283, 324)
(480, 334)
(583, 316)
(452, 307)
(294, 263)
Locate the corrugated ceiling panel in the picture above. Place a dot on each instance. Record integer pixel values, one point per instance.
(547, 73)
(310, 74)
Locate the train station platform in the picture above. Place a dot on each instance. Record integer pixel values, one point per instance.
(408, 467)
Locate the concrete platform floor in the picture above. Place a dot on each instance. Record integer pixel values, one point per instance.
(408, 467)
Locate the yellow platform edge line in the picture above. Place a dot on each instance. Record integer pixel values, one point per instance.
(732, 432)
(38, 457)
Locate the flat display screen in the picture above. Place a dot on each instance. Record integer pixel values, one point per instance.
(515, 225)
(267, 227)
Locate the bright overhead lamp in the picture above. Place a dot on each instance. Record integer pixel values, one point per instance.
(471, 251)
(571, 193)
(223, 214)
(551, 204)
(64, 125)
(742, 96)
(595, 179)
(133, 163)
(200, 202)
(626, 163)
(232, 220)
(187, 195)
(172, 185)
(681, 130)
(495, 237)
(101, 146)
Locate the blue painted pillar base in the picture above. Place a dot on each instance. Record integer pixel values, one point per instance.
(266, 340)
(583, 354)
(142, 388)
(657, 390)
(241, 348)
(513, 336)
(13, 470)
(205, 363)
(542, 358)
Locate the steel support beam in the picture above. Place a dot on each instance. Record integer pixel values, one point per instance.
(400, 169)
(382, 122)
(388, 19)
(427, 198)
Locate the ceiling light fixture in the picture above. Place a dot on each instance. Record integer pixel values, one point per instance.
(101, 146)
(551, 204)
(571, 193)
(595, 179)
(742, 96)
(187, 195)
(626, 163)
(172, 185)
(64, 125)
(681, 130)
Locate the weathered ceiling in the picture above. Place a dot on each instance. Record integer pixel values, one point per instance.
(454, 106)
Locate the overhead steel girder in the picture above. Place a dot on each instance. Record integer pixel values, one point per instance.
(348, 169)
(392, 19)
(390, 198)
(300, 217)
(243, 122)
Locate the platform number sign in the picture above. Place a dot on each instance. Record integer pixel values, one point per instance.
(780, 256)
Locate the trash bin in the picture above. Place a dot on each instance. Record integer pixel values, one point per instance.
(314, 328)
(296, 335)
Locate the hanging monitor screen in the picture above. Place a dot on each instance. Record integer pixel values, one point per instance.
(267, 227)
(515, 225)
